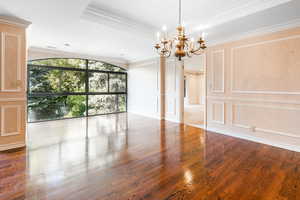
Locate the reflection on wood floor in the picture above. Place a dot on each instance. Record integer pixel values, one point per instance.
(128, 157)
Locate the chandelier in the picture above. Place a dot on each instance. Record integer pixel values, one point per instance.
(184, 46)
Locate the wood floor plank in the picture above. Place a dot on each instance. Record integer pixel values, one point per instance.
(129, 157)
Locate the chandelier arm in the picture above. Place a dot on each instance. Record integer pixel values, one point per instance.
(196, 50)
(199, 52)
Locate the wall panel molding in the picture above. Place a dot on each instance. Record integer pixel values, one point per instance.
(252, 100)
(3, 61)
(18, 120)
(233, 78)
(222, 89)
(222, 121)
(252, 127)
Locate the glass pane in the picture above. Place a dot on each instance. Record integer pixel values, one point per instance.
(61, 62)
(96, 65)
(117, 82)
(44, 80)
(50, 108)
(102, 104)
(73, 81)
(122, 103)
(98, 82)
(55, 81)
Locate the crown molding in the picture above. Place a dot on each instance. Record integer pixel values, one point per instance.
(238, 11)
(144, 62)
(261, 31)
(95, 13)
(251, 7)
(11, 20)
(41, 53)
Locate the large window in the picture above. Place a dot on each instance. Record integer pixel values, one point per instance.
(67, 88)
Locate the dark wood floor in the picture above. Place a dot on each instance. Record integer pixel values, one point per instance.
(144, 159)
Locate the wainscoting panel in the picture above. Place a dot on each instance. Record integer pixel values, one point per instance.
(10, 120)
(267, 67)
(262, 91)
(217, 112)
(218, 71)
(10, 63)
(271, 119)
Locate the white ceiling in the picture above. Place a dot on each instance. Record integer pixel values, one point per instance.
(125, 29)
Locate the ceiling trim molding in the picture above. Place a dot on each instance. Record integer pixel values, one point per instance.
(140, 63)
(261, 31)
(236, 12)
(251, 7)
(94, 13)
(11, 20)
(41, 53)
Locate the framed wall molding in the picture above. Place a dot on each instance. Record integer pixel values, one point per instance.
(214, 90)
(3, 60)
(258, 129)
(18, 120)
(222, 121)
(258, 91)
(252, 100)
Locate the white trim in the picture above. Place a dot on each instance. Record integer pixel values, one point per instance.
(3, 56)
(276, 132)
(258, 92)
(18, 120)
(258, 32)
(43, 53)
(238, 134)
(253, 100)
(142, 63)
(172, 120)
(96, 14)
(196, 125)
(14, 21)
(223, 71)
(223, 112)
(5, 147)
(145, 115)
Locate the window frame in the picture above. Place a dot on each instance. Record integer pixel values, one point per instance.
(87, 92)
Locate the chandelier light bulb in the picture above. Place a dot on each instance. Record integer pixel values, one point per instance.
(164, 28)
(158, 36)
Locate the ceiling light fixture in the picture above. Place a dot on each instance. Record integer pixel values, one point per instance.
(184, 46)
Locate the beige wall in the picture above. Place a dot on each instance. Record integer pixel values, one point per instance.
(195, 88)
(254, 87)
(12, 85)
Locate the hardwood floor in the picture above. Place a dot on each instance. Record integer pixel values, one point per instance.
(138, 158)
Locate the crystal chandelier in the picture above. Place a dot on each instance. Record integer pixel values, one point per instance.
(183, 45)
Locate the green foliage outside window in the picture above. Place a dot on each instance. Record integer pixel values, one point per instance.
(50, 85)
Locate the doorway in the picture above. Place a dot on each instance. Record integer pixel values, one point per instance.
(195, 91)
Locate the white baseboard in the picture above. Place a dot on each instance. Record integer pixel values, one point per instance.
(172, 120)
(145, 115)
(245, 136)
(196, 126)
(5, 147)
